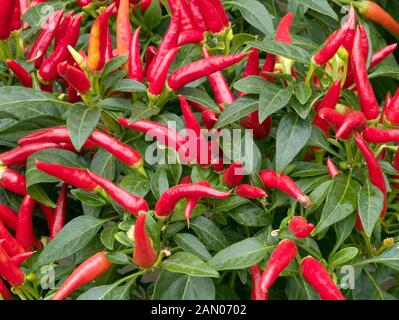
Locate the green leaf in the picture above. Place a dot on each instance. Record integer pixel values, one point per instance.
(89, 198)
(237, 110)
(103, 164)
(320, 6)
(343, 230)
(113, 64)
(389, 257)
(187, 263)
(250, 215)
(201, 97)
(255, 85)
(293, 134)
(106, 292)
(108, 236)
(341, 202)
(240, 255)
(128, 85)
(191, 244)
(255, 14)
(136, 184)
(153, 15)
(175, 286)
(209, 232)
(343, 256)
(270, 102)
(370, 205)
(81, 122)
(73, 237)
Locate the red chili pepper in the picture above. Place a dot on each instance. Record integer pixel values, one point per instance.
(300, 228)
(331, 98)
(192, 202)
(209, 119)
(250, 192)
(70, 175)
(109, 53)
(12, 181)
(145, 4)
(10, 244)
(98, 43)
(165, 135)
(4, 292)
(48, 69)
(375, 172)
(123, 28)
(260, 131)
(391, 110)
(210, 14)
(156, 86)
(59, 213)
(234, 174)
(144, 254)
(375, 13)
(190, 36)
(167, 201)
(333, 43)
(368, 101)
(19, 259)
(318, 277)
(256, 276)
(377, 135)
(220, 88)
(62, 28)
(281, 257)
(46, 35)
(83, 3)
(149, 56)
(197, 16)
(130, 202)
(169, 42)
(16, 23)
(217, 4)
(74, 77)
(353, 121)
(8, 271)
(135, 65)
(55, 134)
(332, 169)
(271, 179)
(122, 151)
(73, 95)
(201, 68)
(365, 42)
(187, 22)
(8, 216)
(6, 15)
(382, 54)
(88, 271)
(268, 66)
(20, 72)
(252, 66)
(24, 233)
(332, 116)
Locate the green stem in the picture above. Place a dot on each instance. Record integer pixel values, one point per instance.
(374, 284)
(349, 154)
(310, 74)
(368, 244)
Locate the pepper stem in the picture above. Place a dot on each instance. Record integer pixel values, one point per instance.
(310, 73)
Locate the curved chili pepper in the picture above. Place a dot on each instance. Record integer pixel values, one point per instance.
(378, 135)
(10, 244)
(268, 66)
(73, 95)
(149, 56)
(260, 131)
(331, 98)
(190, 36)
(135, 65)
(62, 28)
(365, 42)
(375, 13)
(300, 228)
(24, 233)
(332, 116)
(375, 172)
(46, 35)
(169, 42)
(167, 201)
(271, 179)
(12, 181)
(186, 19)
(48, 214)
(121, 151)
(59, 215)
(109, 52)
(256, 276)
(353, 121)
(201, 68)
(8, 271)
(157, 85)
(70, 175)
(20, 72)
(88, 271)
(332, 169)
(130, 202)
(192, 202)
(315, 273)
(368, 101)
(4, 292)
(123, 28)
(382, 54)
(391, 110)
(6, 15)
(74, 77)
(234, 174)
(8, 216)
(250, 192)
(48, 69)
(252, 66)
(333, 43)
(214, 21)
(19, 259)
(144, 254)
(165, 135)
(197, 16)
(209, 119)
(281, 257)
(220, 88)
(16, 23)
(98, 41)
